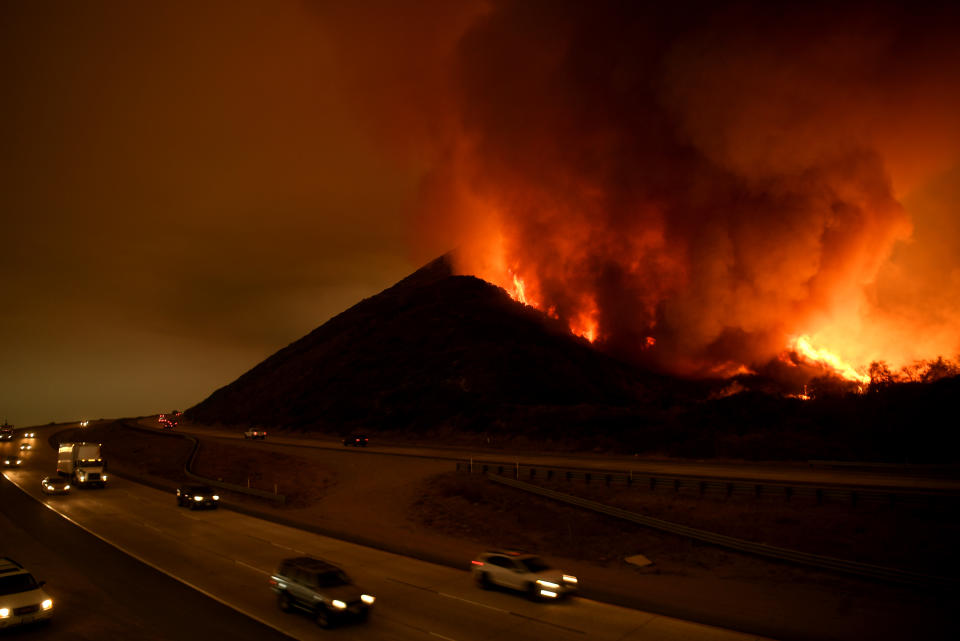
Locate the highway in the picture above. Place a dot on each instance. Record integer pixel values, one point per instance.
(784, 472)
(229, 556)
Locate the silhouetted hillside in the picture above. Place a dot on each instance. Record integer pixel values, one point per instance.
(443, 352)
(433, 350)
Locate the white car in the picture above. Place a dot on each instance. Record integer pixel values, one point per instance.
(29, 434)
(25, 446)
(527, 573)
(21, 598)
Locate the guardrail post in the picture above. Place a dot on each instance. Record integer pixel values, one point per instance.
(853, 498)
(587, 477)
(653, 484)
(703, 487)
(789, 492)
(757, 489)
(608, 478)
(533, 472)
(729, 490)
(549, 475)
(819, 496)
(676, 485)
(569, 476)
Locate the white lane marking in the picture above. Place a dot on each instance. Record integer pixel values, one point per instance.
(482, 605)
(239, 562)
(437, 634)
(253, 616)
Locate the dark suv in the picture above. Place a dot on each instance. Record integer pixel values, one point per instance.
(197, 496)
(320, 589)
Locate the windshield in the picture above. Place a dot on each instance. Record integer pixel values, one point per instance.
(332, 579)
(17, 583)
(535, 564)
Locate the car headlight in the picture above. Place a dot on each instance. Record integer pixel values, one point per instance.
(47, 604)
(367, 598)
(4, 613)
(338, 604)
(548, 584)
(19, 461)
(66, 487)
(216, 497)
(104, 477)
(568, 578)
(548, 593)
(198, 498)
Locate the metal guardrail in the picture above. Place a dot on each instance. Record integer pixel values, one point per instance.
(761, 549)
(708, 486)
(188, 467)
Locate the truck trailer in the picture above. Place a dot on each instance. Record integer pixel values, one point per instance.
(82, 463)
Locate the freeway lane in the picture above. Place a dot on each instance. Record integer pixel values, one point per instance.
(230, 555)
(101, 593)
(785, 472)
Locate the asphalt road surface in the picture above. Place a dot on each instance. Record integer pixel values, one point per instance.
(99, 592)
(230, 556)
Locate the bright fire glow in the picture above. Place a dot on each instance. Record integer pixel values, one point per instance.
(824, 357)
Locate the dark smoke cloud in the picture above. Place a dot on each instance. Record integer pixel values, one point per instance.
(720, 177)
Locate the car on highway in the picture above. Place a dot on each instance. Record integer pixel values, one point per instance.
(255, 434)
(25, 446)
(197, 497)
(321, 589)
(12, 461)
(527, 573)
(84, 423)
(22, 599)
(29, 434)
(6, 435)
(55, 485)
(356, 440)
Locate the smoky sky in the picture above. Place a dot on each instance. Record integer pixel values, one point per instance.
(188, 187)
(720, 177)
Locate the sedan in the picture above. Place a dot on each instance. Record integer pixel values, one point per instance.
(12, 461)
(197, 496)
(526, 573)
(25, 446)
(29, 434)
(55, 485)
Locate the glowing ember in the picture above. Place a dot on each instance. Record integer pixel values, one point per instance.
(828, 359)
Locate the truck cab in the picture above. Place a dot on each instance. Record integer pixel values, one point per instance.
(82, 463)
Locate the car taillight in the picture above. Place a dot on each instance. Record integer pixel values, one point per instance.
(477, 562)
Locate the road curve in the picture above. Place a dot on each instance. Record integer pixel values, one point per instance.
(229, 555)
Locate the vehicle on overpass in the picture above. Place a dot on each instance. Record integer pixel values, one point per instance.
(320, 589)
(55, 485)
(356, 440)
(255, 434)
(197, 496)
(6, 432)
(526, 573)
(82, 463)
(22, 599)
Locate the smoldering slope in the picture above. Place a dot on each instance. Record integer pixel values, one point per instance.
(698, 183)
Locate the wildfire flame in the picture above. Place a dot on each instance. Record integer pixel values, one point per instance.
(802, 346)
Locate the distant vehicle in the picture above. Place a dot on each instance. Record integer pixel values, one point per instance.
(197, 496)
(21, 598)
(12, 461)
(6, 433)
(29, 434)
(55, 485)
(255, 434)
(169, 420)
(320, 589)
(356, 440)
(84, 423)
(527, 573)
(25, 446)
(82, 463)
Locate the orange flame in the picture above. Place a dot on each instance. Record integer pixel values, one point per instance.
(821, 356)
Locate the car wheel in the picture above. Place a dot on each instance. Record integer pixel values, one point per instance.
(483, 580)
(284, 602)
(322, 617)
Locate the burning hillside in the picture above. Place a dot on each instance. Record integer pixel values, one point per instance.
(705, 189)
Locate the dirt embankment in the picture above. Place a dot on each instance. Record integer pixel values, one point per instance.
(912, 537)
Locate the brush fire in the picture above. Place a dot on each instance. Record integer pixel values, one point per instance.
(706, 190)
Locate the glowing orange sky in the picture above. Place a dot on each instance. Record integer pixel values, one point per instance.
(188, 187)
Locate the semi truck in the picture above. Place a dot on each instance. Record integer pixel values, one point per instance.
(82, 463)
